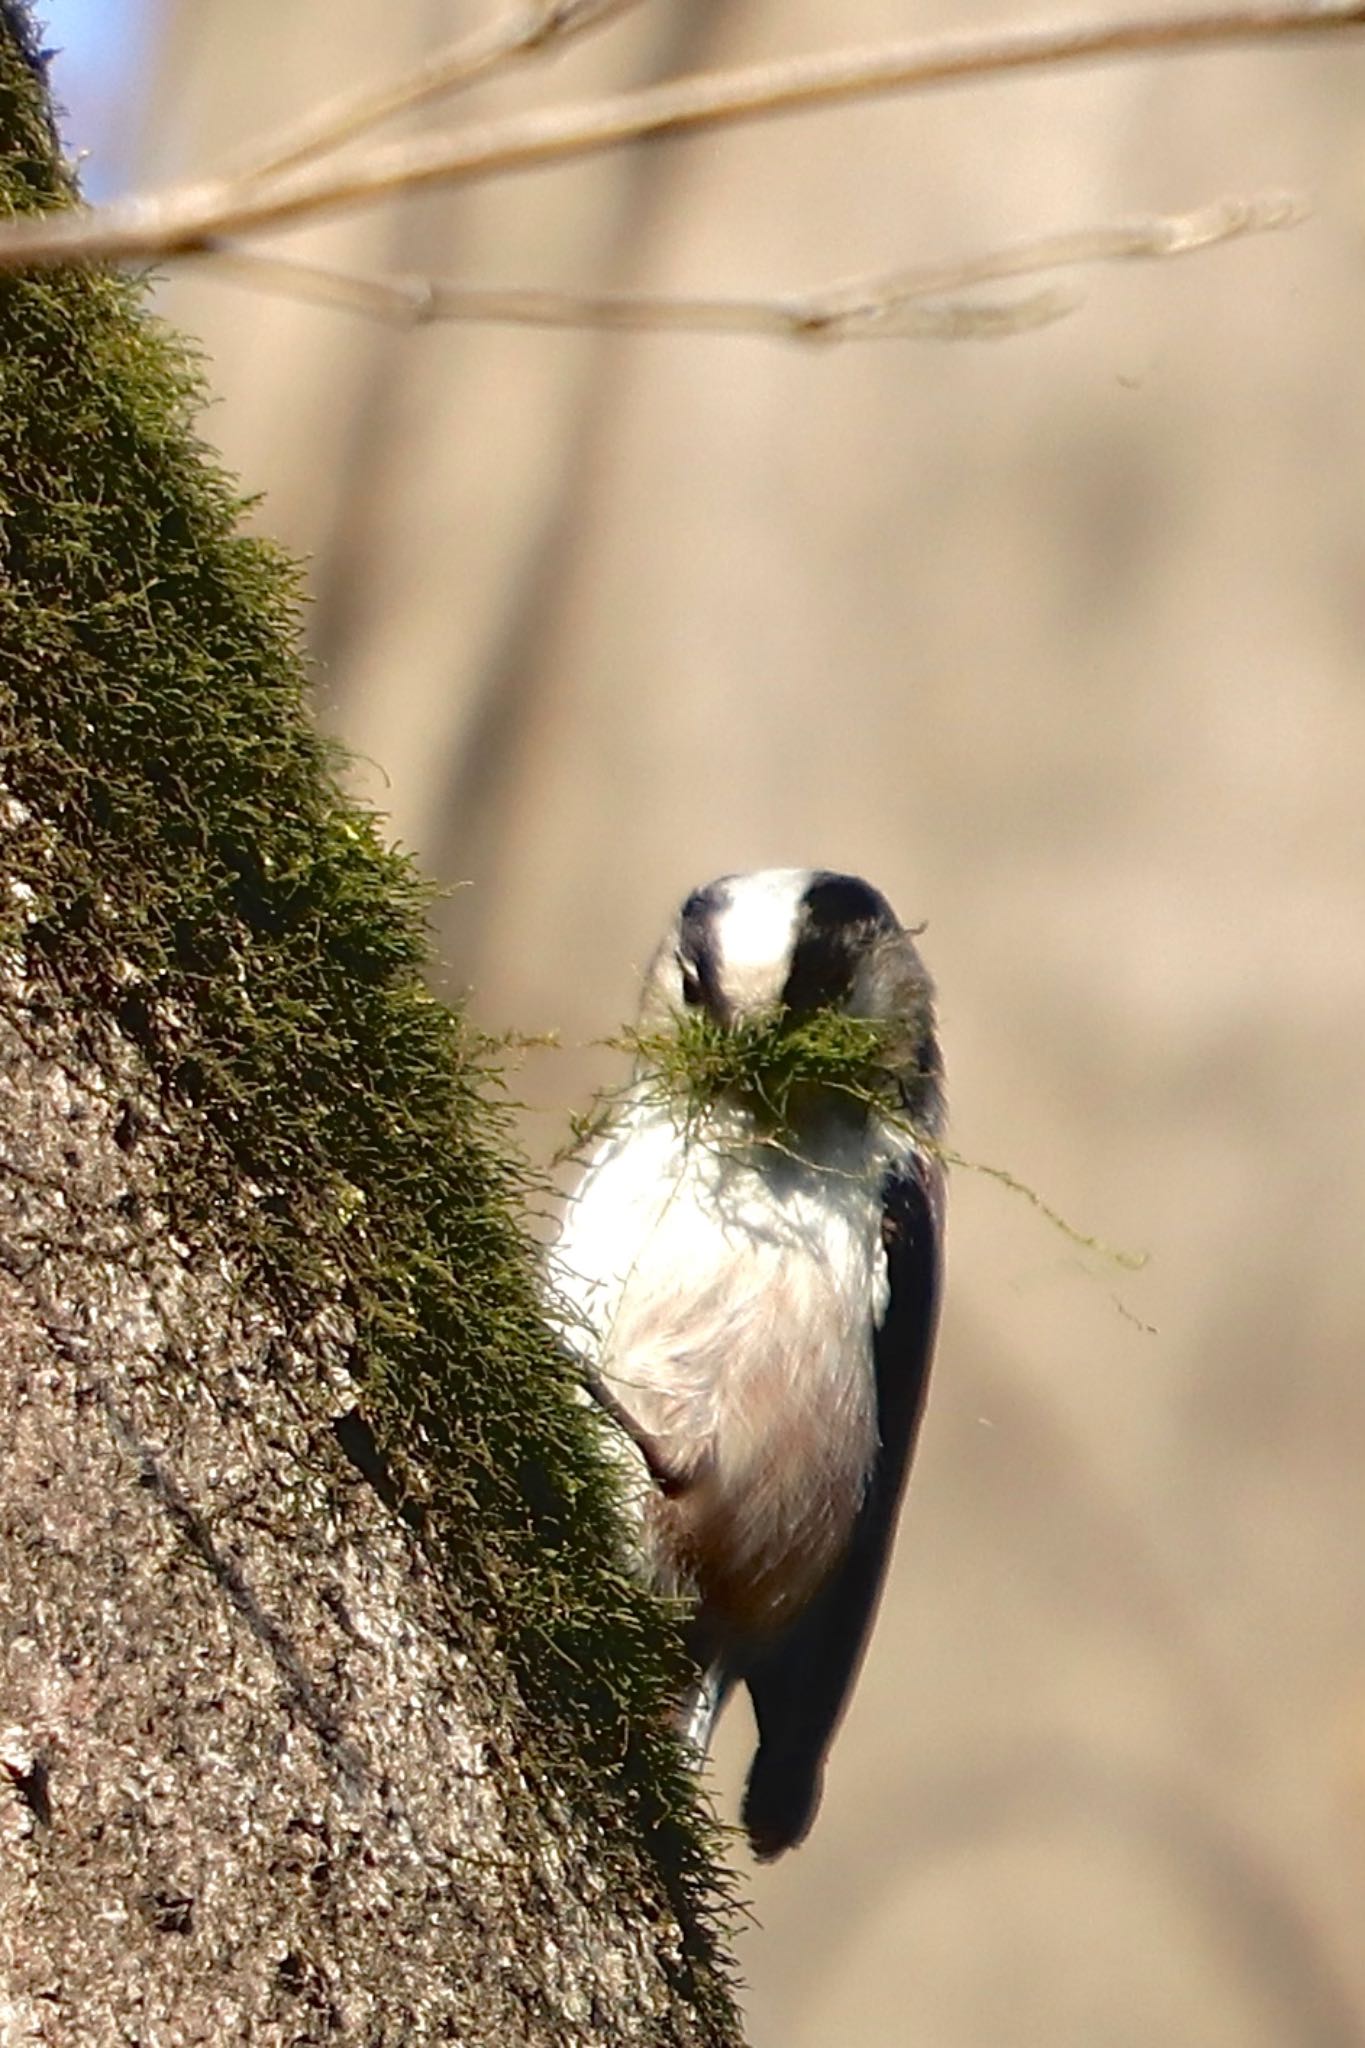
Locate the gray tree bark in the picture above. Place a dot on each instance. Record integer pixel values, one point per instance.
(251, 1794)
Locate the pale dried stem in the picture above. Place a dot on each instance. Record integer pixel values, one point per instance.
(417, 301)
(183, 220)
(535, 28)
(890, 307)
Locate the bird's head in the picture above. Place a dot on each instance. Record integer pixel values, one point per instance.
(788, 982)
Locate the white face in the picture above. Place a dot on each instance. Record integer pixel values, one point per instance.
(754, 935)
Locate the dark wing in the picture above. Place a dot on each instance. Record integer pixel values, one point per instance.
(800, 1686)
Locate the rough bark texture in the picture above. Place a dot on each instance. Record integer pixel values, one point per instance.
(252, 1793)
(327, 1708)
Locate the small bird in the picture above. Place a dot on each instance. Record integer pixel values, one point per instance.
(754, 1300)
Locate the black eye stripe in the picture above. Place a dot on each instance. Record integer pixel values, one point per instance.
(839, 917)
(692, 991)
(821, 971)
(831, 901)
(697, 947)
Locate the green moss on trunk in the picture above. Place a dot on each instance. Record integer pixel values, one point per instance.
(185, 863)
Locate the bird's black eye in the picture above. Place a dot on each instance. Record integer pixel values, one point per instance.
(692, 993)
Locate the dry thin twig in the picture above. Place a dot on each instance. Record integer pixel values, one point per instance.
(528, 30)
(890, 307)
(419, 301)
(185, 219)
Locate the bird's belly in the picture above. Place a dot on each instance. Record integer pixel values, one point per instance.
(767, 1521)
(740, 1335)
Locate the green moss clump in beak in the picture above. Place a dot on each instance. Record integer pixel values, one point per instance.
(774, 1069)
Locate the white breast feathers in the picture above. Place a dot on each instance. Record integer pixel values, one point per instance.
(727, 1295)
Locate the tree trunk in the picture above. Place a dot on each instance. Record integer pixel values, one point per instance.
(326, 1707)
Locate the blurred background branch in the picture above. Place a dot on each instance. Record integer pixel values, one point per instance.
(289, 187)
(874, 308)
(531, 29)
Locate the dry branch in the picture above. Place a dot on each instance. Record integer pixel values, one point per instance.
(916, 303)
(532, 29)
(184, 219)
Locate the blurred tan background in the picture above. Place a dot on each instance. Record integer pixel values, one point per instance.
(1061, 641)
